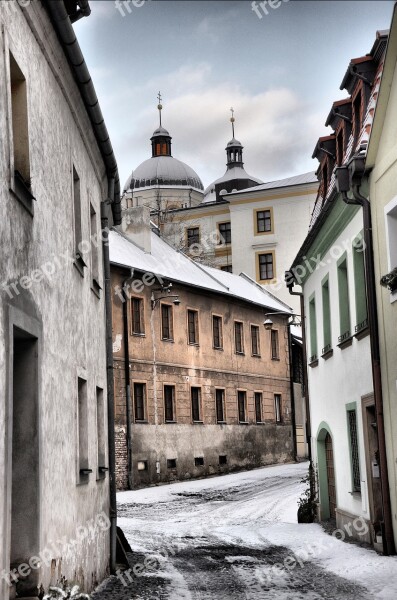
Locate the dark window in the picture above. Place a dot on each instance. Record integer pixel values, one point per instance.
(94, 248)
(139, 401)
(192, 322)
(166, 322)
(222, 459)
(238, 337)
(217, 332)
(242, 416)
(275, 345)
(169, 402)
(137, 316)
(199, 461)
(220, 405)
(277, 408)
(171, 463)
(255, 340)
(193, 236)
(356, 119)
(266, 269)
(339, 148)
(227, 268)
(195, 395)
(354, 456)
(258, 407)
(78, 236)
(19, 121)
(225, 232)
(325, 179)
(263, 221)
(83, 429)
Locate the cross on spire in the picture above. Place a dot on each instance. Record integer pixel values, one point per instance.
(232, 119)
(159, 106)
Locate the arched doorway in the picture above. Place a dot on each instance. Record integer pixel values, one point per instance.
(326, 472)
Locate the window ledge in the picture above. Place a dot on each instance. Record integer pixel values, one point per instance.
(362, 333)
(256, 355)
(221, 422)
(96, 288)
(22, 194)
(198, 422)
(170, 422)
(240, 353)
(243, 422)
(217, 348)
(138, 334)
(167, 340)
(356, 495)
(275, 358)
(327, 354)
(196, 344)
(144, 422)
(79, 264)
(314, 363)
(347, 342)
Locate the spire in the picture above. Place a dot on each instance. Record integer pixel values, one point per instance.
(159, 106)
(234, 149)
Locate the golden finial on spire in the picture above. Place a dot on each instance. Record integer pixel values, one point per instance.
(159, 106)
(232, 119)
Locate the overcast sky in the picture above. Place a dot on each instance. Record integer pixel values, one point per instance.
(281, 74)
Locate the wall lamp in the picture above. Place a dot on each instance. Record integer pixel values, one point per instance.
(268, 323)
(166, 290)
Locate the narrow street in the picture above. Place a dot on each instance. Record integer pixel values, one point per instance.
(236, 537)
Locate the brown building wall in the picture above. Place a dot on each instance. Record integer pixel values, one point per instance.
(156, 363)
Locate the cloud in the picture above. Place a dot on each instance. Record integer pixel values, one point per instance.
(277, 127)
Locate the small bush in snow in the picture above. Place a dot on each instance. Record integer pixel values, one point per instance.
(307, 509)
(57, 593)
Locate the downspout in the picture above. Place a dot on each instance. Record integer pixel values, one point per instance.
(387, 533)
(291, 382)
(127, 383)
(109, 378)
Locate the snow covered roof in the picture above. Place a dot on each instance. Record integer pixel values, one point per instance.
(163, 170)
(167, 263)
(233, 173)
(302, 179)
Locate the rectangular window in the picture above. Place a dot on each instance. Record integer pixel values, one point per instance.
(78, 233)
(326, 317)
(356, 119)
(344, 301)
(266, 268)
(192, 326)
(137, 316)
(242, 406)
(263, 221)
(238, 337)
(354, 456)
(217, 332)
(339, 148)
(169, 403)
(359, 285)
(83, 430)
(258, 406)
(313, 330)
(255, 347)
(196, 398)
(227, 268)
(277, 408)
(274, 344)
(139, 401)
(94, 250)
(101, 441)
(391, 234)
(193, 236)
(167, 327)
(225, 233)
(20, 127)
(220, 405)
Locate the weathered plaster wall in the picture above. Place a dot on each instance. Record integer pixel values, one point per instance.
(70, 315)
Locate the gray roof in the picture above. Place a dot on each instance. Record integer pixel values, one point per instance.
(233, 142)
(160, 131)
(305, 178)
(169, 264)
(234, 173)
(163, 170)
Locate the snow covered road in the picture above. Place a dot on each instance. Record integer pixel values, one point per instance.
(236, 537)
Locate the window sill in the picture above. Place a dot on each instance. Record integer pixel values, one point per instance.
(259, 422)
(221, 422)
(79, 264)
(347, 342)
(138, 422)
(356, 495)
(256, 355)
(198, 422)
(196, 344)
(167, 340)
(240, 353)
(96, 288)
(275, 358)
(362, 333)
(327, 354)
(169, 422)
(314, 363)
(138, 334)
(217, 348)
(243, 422)
(22, 193)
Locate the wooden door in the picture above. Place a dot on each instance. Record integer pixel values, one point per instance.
(329, 456)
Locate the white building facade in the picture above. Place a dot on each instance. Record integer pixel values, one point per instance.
(54, 458)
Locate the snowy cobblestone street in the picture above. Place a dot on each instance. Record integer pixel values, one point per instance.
(236, 537)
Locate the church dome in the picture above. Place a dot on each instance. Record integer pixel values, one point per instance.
(163, 171)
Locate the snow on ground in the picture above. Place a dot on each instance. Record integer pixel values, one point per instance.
(223, 537)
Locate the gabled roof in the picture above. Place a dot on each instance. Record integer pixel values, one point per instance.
(172, 265)
(303, 179)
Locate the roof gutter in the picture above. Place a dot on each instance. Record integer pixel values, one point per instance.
(65, 32)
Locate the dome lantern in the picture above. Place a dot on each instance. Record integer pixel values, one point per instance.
(161, 139)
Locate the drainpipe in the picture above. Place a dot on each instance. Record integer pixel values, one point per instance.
(127, 383)
(291, 382)
(357, 165)
(109, 373)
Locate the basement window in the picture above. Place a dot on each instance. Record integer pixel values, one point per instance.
(222, 459)
(20, 182)
(171, 463)
(142, 465)
(199, 461)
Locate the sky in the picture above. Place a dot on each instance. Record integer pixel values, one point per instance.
(280, 72)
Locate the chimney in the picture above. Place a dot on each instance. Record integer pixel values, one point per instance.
(135, 225)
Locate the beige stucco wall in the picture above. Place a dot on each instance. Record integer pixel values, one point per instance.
(68, 316)
(383, 191)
